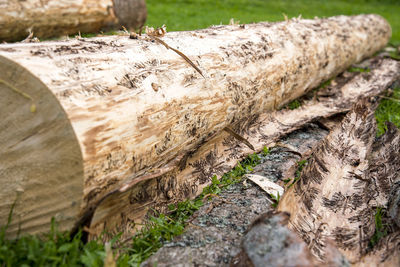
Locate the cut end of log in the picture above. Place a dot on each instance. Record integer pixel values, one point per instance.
(131, 14)
(39, 171)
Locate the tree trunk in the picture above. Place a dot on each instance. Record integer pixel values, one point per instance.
(221, 153)
(56, 18)
(86, 118)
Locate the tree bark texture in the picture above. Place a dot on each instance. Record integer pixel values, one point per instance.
(52, 18)
(348, 176)
(88, 117)
(269, 242)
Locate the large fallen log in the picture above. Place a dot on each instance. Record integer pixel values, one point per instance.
(221, 153)
(88, 118)
(51, 18)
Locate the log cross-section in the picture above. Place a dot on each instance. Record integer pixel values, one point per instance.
(94, 115)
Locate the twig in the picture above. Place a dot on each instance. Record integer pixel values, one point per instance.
(28, 38)
(178, 52)
(239, 137)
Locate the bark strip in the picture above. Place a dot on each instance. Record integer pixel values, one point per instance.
(348, 176)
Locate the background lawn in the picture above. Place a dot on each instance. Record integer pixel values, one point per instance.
(179, 15)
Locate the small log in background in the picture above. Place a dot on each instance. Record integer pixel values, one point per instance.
(52, 18)
(87, 117)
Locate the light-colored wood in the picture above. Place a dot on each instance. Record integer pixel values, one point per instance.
(52, 18)
(40, 159)
(138, 110)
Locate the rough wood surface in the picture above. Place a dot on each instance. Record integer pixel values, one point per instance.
(348, 176)
(221, 153)
(385, 254)
(140, 112)
(59, 18)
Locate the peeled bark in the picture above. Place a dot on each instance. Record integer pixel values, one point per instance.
(104, 114)
(385, 254)
(347, 177)
(386, 150)
(57, 18)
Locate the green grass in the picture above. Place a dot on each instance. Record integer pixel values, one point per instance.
(275, 199)
(357, 69)
(59, 249)
(179, 15)
(388, 110)
(300, 166)
(380, 228)
(294, 104)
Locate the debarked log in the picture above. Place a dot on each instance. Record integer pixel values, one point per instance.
(53, 18)
(87, 117)
(221, 153)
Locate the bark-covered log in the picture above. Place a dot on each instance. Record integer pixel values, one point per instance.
(386, 150)
(224, 219)
(269, 242)
(348, 176)
(88, 117)
(56, 18)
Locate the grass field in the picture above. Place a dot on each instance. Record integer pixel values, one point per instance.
(180, 15)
